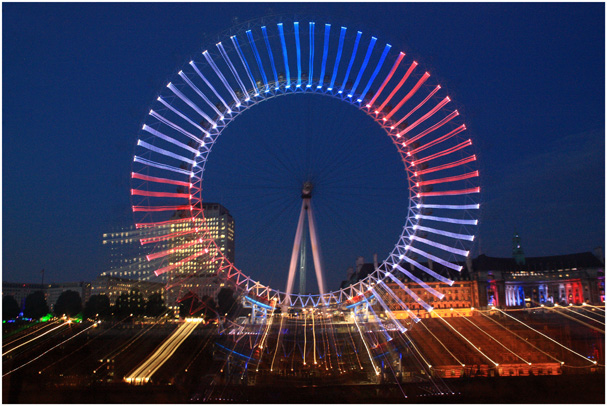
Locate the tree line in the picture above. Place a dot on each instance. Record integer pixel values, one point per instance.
(128, 304)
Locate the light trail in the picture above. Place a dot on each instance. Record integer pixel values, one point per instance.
(574, 319)
(363, 66)
(200, 93)
(398, 86)
(447, 220)
(186, 118)
(438, 140)
(578, 313)
(426, 116)
(34, 331)
(164, 152)
(206, 81)
(494, 339)
(387, 79)
(154, 179)
(263, 338)
(521, 338)
(354, 347)
(457, 178)
(445, 166)
(129, 343)
(594, 307)
(311, 60)
(401, 328)
(589, 310)
(232, 68)
(340, 48)
(138, 192)
(452, 207)
(326, 343)
(434, 127)
(462, 336)
(451, 192)
(305, 337)
(445, 152)
(377, 319)
(146, 370)
(428, 97)
(258, 59)
(165, 237)
(282, 318)
(443, 345)
(175, 127)
(221, 77)
(314, 336)
(190, 103)
(47, 351)
(297, 45)
(356, 41)
(34, 339)
(375, 368)
(161, 254)
(419, 282)
(400, 302)
(428, 271)
(439, 245)
(382, 58)
(417, 350)
(160, 166)
(180, 263)
(419, 84)
(294, 346)
(271, 56)
(544, 335)
(284, 53)
(244, 62)
(434, 258)
(324, 56)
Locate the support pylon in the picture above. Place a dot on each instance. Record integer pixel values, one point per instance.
(306, 211)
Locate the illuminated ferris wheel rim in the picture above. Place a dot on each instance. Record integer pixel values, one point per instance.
(261, 89)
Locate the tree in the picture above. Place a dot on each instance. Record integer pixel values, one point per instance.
(130, 303)
(69, 303)
(35, 305)
(155, 305)
(10, 308)
(97, 305)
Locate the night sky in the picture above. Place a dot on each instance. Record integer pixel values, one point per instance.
(78, 80)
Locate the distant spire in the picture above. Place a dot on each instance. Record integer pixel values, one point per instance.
(517, 250)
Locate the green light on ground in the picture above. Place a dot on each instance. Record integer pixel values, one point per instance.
(46, 318)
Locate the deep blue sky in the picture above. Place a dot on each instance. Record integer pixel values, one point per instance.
(78, 80)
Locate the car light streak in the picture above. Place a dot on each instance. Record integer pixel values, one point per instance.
(144, 372)
(34, 339)
(47, 351)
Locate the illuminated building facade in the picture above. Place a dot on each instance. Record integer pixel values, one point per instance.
(515, 282)
(202, 275)
(560, 279)
(127, 256)
(128, 261)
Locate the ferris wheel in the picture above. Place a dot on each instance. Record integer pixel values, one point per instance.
(260, 61)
